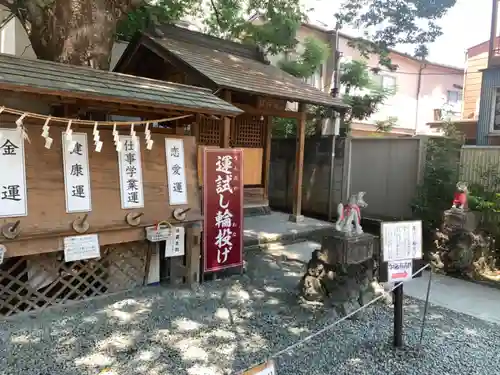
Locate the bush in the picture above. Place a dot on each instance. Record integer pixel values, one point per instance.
(435, 193)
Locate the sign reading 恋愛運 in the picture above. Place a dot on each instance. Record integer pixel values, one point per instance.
(222, 209)
(76, 173)
(176, 171)
(401, 243)
(13, 192)
(130, 167)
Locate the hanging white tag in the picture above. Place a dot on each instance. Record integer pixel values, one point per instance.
(98, 146)
(149, 144)
(48, 142)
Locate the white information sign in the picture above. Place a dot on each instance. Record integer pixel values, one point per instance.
(264, 369)
(401, 240)
(13, 192)
(76, 173)
(176, 171)
(174, 246)
(3, 250)
(399, 271)
(81, 247)
(130, 167)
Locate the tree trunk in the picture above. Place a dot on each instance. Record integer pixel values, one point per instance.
(76, 32)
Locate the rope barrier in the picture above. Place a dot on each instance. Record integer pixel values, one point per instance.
(25, 114)
(330, 326)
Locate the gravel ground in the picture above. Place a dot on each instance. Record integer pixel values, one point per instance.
(223, 326)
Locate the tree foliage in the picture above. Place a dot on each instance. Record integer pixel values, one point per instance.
(387, 23)
(82, 32)
(361, 92)
(435, 193)
(309, 61)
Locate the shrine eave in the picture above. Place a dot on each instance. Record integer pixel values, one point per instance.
(50, 78)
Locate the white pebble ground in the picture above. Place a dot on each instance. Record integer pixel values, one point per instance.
(224, 326)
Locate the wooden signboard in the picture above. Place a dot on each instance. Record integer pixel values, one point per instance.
(48, 221)
(271, 104)
(222, 209)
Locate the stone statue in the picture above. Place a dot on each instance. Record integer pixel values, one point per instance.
(351, 213)
(460, 197)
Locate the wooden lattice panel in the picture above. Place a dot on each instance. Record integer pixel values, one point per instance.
(209, 132)
(34, 282)
(248, 131)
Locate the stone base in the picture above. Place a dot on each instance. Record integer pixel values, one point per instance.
(346, 287)
(454, 219)
(340, 248)
(296, 218)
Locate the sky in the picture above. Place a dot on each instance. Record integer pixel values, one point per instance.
(465, 25)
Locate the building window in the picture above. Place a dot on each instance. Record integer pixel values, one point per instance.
(385, 81)
(453, 96)
(316, 79)
(495, 121)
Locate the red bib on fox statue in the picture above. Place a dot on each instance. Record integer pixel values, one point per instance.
(460, 197)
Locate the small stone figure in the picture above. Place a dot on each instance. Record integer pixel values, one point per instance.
(351, 213)
(460, 197)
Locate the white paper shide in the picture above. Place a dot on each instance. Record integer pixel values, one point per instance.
(130, 167)
(174, 149)
(3, 250)
(13, 194)
(76, 173)
(81, 247)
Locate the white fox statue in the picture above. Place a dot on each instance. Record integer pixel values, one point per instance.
(351, 214)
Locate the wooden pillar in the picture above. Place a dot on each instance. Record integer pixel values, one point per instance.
(266, 160)
(226, 124)
(493, 32)
(296, 216)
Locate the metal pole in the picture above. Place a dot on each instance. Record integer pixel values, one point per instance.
(398, 316)
(425, 308)
(334, 92)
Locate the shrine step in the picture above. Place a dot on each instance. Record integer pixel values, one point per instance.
(298, 251)
(254, 241)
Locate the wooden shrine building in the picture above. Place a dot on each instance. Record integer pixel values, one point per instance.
(241, 75)
(42, 216)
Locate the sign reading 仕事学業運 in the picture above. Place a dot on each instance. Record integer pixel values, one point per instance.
(130, 167)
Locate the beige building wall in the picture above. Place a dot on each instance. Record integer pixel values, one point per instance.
(472, 85)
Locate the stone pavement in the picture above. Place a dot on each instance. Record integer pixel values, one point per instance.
(275, 227)
(462, 296)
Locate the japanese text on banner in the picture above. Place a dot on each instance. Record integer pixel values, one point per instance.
(13, 195)
(76, 173)
(174, 149)
(223, 218)
(223, 209)
(131, 183)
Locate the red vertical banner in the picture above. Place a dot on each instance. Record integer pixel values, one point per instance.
(222, 208)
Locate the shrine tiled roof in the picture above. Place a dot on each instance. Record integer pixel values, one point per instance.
(235, 66)
(44, 77)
